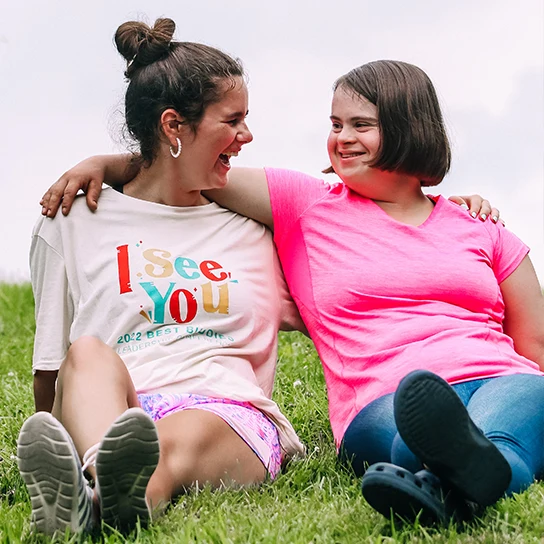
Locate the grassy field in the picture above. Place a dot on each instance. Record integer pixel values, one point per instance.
(313, 501)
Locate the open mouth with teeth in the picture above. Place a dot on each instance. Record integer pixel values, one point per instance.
(225, 157)
(351, 155)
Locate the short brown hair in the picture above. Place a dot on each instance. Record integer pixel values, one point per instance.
(413, 136)
(162, 74)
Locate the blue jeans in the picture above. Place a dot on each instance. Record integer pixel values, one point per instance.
(509, 410)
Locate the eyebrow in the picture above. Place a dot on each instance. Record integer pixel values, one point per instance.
(238, 114)
(356, 119)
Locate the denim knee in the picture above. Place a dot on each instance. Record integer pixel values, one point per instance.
(369, 437)
(402, 456)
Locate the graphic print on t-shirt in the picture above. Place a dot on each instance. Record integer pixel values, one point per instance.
(172, 290)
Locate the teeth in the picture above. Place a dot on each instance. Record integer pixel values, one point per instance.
(231, 154)
(349, 155)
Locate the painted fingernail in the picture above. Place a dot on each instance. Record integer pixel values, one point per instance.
(494, 218)
(483, 216)
(473, 214)
(464, 206)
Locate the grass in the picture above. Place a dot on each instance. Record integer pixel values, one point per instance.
(313, 501)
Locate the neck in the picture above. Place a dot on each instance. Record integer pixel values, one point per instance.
(161, 183)
(403, 199)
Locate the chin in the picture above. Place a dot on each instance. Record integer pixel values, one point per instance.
(219, 183)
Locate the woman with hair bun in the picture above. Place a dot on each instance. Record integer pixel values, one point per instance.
(157, 317)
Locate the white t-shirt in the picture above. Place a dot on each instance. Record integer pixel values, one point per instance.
(191, 298)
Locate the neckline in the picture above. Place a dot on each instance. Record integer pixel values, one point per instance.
(114, 192)
(438, 201)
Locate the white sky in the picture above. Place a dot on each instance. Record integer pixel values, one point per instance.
(61, 82)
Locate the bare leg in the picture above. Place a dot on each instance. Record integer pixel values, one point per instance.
(93, 389)
(199, 446)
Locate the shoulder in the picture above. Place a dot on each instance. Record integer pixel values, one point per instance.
(459, 217)
(80, 213)
(293, 186)
(280, 176)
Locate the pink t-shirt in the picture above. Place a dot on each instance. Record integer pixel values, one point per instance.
(381, 298)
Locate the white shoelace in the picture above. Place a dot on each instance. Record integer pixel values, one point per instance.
(89, 458)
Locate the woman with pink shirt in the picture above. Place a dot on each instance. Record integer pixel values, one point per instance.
(429, 325)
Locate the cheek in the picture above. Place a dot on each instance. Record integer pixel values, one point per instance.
(373, 143)
(331, 145)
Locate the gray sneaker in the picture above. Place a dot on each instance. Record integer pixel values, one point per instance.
(127, 457)
(50, 467)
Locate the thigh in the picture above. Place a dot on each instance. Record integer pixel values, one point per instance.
(199, 446)
(369, 437)
(510, 411)
(93, 388)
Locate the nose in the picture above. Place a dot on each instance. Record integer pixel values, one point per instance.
(346, 135)
(244, 136)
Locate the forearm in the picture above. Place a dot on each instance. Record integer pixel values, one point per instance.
(532, 350)
(246, 193)
(118, 169)
(44, 389)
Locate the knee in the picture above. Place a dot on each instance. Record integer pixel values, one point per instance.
(402, 456)
(86, 345)
(84, 351)
(182, 457)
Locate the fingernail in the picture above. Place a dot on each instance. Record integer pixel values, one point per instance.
(464, 206)
(48, 213)
(63, 209)
(473, 214)
(494, 218)
(483, 216)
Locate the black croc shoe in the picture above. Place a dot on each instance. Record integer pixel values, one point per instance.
(390, 489)
(435, 425)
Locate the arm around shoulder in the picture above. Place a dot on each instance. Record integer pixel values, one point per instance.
(88, 176)
(524, 312)
(246, 193)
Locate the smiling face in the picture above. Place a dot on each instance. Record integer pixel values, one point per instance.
(354, 140)
(205, 159)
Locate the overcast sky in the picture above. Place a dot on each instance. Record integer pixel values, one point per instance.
(61, 84)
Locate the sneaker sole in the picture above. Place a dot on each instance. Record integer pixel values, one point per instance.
(51, 471)
(435, 425)
(127, 457)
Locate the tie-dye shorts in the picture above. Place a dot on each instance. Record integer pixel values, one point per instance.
(255, 429)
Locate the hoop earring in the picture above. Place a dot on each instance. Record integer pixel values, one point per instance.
(178, 152)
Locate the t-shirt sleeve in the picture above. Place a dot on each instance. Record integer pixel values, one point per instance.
(508, 251)
(291, 193)
(53, 305)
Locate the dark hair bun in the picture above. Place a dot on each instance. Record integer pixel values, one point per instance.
(141, 45)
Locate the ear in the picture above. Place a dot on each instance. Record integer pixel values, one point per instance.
(171, 123)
